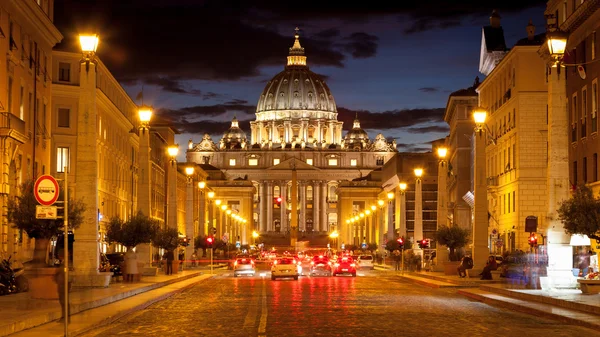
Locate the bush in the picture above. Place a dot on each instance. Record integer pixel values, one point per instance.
(136, 230)
(453, 237)
(166, 238)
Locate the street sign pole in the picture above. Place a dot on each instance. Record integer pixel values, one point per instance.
(211, 260)
(66, 254)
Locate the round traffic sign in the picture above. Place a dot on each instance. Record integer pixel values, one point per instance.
(45, 190)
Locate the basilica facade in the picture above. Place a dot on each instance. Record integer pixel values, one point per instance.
(296, 128)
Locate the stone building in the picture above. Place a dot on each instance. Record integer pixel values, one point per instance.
(515, 95)
(28, 34)
(296, 128)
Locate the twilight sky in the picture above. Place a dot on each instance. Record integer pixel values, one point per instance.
(202, 62)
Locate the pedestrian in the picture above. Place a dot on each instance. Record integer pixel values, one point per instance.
(465, 263)
(491, 264)
(131, 267)
(194, 257)
(397, 259)
(59, 278)
(169, 257)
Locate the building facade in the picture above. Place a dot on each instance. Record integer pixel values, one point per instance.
(296, 129)
(28, 34)
(516, 98)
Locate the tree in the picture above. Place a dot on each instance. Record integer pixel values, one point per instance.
(453, 237)
(166, 238)
(136, 230)
(393, 245)
(200, 242)
(581, 213)
(372, 246)
(21, 213)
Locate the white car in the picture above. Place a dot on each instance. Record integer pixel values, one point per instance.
(284, 267)
(365, 262)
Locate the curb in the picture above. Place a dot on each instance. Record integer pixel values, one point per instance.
(535, 310)
(118, 315)
(52, 315)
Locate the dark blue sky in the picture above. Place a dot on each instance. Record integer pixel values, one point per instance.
(201, 62)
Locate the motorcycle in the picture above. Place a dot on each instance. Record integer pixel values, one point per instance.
(11, 280)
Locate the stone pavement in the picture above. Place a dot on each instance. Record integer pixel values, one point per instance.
(566, 305)
(20, 313)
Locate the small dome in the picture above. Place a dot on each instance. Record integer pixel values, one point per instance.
(357, 134)
(234, 134)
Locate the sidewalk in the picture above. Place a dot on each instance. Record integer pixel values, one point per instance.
(20, 312)
(566, 305)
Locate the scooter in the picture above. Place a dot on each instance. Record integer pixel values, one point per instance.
(11, 281)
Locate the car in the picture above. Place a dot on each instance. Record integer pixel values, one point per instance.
(365, 262)
(284, 267)
(320, 265)
(243, 266)
(345, 265)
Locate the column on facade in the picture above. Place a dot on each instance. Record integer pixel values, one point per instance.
(284, 203)
(398, 208)
(85, 249)
(144, 189)
(252, 132)
(402, 227)
(324, 207)
(390, 220)
(330, 133)
(316, 206)
(269, 205)
(480, 225)
(319, 131)
(286, 131)
(302, 197)
(202, 228)
(210, 217)
(261, 207)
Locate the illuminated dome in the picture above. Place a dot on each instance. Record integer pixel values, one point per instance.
(296, 92)
(357, 134)
(234, 135)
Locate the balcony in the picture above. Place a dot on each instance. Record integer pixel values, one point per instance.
(13, 127)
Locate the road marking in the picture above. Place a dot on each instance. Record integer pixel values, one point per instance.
(262, 326)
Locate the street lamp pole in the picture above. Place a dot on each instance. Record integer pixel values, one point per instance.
(480, 224)
(442, 201)
(402, 225)
(390, 218)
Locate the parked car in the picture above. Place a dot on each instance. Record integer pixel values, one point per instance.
(365, 262)
(284, 267)
(345, 265)
(243, 266)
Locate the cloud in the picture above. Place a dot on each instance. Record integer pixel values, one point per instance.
(183, 116)
(428, 129)
(391, 119)
(362, 45)
(429, 89)
(170, 84)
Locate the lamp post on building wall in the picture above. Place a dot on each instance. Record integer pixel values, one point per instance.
(480, 224)
(390, 217)
(189, 211)
(560, 253)
(402, 225)
(172, 187)
(144, 183)
(442, 197)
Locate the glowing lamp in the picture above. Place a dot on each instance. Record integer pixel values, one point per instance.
(88, 43)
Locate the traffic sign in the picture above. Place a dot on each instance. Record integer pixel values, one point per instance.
(45, 212)
(45, 190)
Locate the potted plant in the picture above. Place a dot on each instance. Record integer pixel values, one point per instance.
(138, 229)
(454, 237)
(21, 213)
(167, 239)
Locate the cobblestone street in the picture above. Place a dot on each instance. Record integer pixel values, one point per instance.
(372, 304)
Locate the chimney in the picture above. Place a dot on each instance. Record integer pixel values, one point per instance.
(495, 19)
(530, 31)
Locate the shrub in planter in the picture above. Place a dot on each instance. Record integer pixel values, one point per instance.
(21, 213)
(453, 237)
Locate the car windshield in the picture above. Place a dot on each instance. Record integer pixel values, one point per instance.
(285, 261)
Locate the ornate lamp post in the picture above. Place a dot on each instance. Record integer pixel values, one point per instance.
(144, 182)
(442, 200)
(172, 187)
(189, 211)
(479, 231)
(560, 254)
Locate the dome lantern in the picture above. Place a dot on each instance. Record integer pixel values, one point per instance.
(296, 57)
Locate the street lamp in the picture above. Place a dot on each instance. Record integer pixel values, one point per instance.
(442, 152)
(255, 236)
(145, 115)
(189, 171)
(402, 226)
(418, 228)
(202, 185)
(173, 151)
(88, 44)
(479, 233)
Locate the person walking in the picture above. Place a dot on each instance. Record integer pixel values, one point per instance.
(59, 278)
(169, 257)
